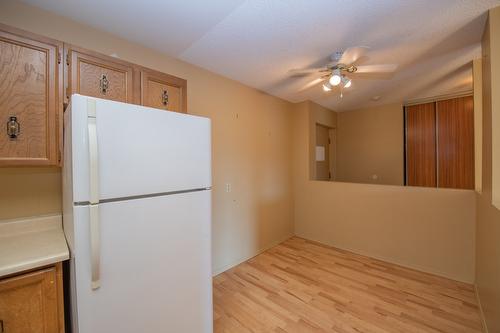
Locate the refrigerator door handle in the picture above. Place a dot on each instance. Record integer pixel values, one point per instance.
(95, 246)
(93, 153)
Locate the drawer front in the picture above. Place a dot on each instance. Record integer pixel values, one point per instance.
(29, 303)
(163, 91)
(92, 76)
(30, 94)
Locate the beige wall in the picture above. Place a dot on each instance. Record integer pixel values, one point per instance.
(427, 229)
(488, 217)
(370, 145)
(494, 64)
(251, 144)
(29, 191)
(254, 139)
(477, 70)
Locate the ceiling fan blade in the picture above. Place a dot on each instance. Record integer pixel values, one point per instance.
(386, 68)
(311, 84)
(306, 71)
(352, 54)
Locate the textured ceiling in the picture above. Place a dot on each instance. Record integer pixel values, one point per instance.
(256, 42)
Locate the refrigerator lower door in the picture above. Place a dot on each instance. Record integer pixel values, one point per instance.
(155, 258)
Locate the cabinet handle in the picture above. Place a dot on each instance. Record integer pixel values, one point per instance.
(104, 84)
(13, 130)
(1, 326)
(164, 97)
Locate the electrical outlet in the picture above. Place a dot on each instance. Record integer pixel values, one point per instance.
(228, 187)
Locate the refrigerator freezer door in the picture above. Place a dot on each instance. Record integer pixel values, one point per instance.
(155, 266)
(141, 151)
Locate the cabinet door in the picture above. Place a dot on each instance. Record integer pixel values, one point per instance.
(99, 76)
(30, 99)
(32, 302)
(163, 91)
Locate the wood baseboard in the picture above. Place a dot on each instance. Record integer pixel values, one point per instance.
(224, 268)
(483, 319)
(402, 263)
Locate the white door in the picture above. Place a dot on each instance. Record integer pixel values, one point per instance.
(140, 150)
(155, 266)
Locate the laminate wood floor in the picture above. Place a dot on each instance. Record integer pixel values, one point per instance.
(302, 286)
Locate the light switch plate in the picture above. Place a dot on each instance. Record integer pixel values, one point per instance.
(320, 153)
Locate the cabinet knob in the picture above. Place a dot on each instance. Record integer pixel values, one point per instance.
(164, 97)
(104, 84)
(13, 128)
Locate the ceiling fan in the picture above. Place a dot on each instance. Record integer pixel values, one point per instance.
(342, 65)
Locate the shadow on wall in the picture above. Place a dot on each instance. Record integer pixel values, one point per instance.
(266, 230)
(370, 145)
(252, 193)
(30, 191)
(488, 216)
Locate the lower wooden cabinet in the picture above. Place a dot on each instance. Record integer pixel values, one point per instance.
(33, 302)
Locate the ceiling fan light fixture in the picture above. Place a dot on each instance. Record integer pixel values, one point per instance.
(327, 86)
(335, 78)
(346, 82)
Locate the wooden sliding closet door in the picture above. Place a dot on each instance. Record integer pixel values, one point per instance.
(421, 145)
(455, 128)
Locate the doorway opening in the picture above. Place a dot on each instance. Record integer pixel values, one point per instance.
(325, 153)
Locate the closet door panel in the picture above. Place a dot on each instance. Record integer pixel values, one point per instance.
(455, 128)
(421, 145)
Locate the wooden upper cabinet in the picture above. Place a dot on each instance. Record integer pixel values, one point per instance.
(35, 82)
(31, 95)
(32, 302)
(163, 91)
(97, 75)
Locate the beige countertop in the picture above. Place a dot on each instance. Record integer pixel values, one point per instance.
(31, 243)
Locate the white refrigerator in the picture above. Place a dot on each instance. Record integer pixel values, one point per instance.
(137, 215)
